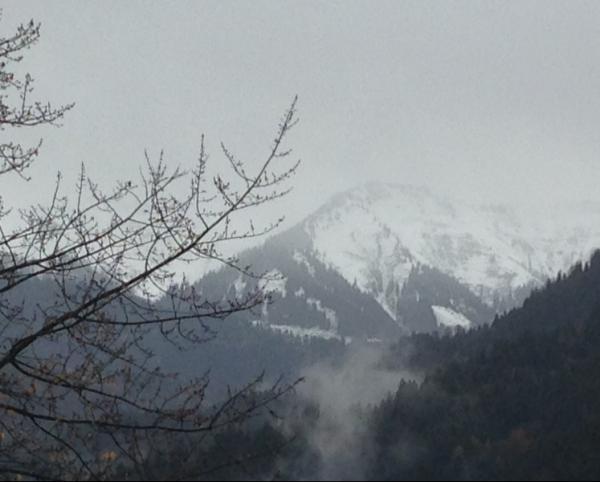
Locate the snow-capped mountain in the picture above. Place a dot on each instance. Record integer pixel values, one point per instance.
(382, 259)
(377, 234)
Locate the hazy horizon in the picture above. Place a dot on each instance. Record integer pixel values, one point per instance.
(489, 101)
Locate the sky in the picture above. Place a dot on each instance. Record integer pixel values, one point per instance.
(492, 101)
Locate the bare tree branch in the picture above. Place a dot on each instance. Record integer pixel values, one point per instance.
(80, 385)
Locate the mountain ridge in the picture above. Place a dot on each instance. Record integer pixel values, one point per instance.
(386, 259)
(491, 248)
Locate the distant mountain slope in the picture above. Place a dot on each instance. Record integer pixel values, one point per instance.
(428, 263)
(568, 303)
(377, 234)
(571, 300)
(433, 301)
(309, 295)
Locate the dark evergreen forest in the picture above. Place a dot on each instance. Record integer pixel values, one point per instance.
(514, 400)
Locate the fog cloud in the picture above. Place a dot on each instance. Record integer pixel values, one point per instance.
(343, 392)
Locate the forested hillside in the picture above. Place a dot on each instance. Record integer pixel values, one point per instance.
(517, 400)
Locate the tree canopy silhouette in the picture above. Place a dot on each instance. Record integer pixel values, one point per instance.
(80, 388)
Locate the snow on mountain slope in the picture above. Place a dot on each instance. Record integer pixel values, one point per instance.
(448, 318)
(375, 235)
(384, 259)
(308, 299)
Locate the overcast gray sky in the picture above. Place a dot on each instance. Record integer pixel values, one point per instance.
(490, 100)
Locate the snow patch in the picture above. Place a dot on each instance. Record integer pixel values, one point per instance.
(274, 282)
(448, 318)
(240, 286)
(299, 332)
(330, 315)
(303, 261)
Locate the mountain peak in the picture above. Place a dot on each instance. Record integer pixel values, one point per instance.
(386, 256)
(376, 233)
(375, 191)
